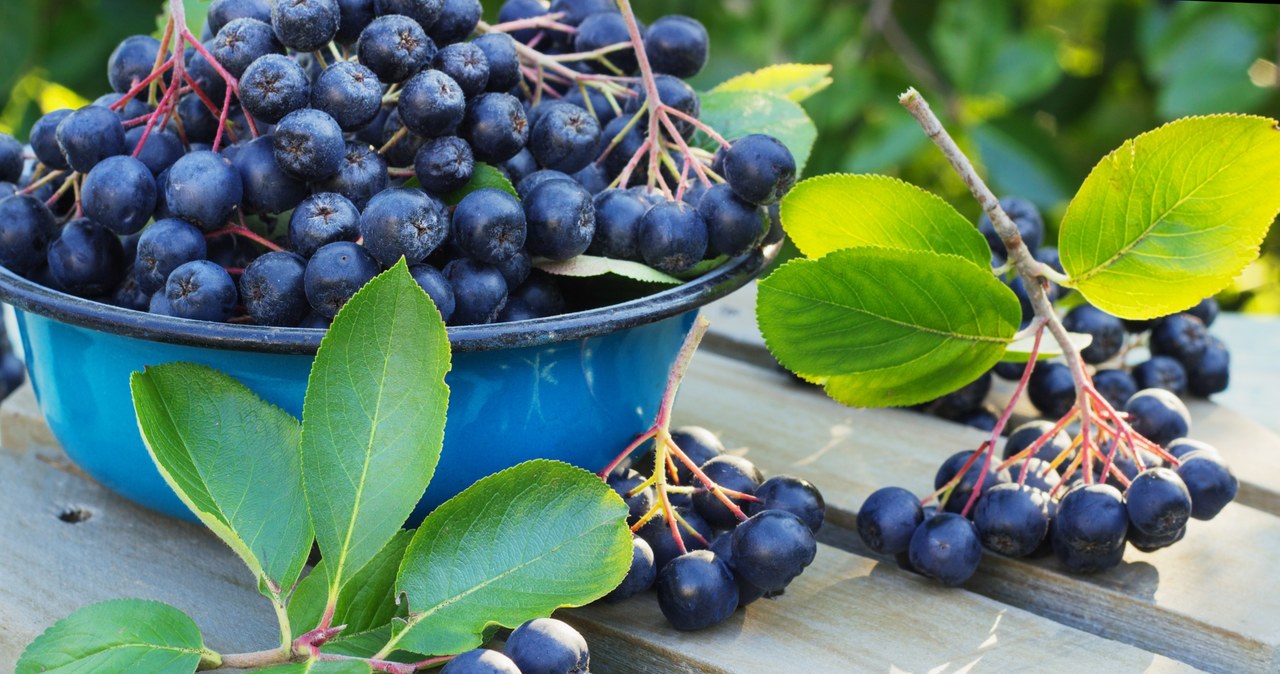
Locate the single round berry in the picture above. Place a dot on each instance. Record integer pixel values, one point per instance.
(1012, 519)
(243, 41)
(640, 576)
(203, 188)
(565, 138)
(677, 45)
(274, 86)
(131, 61)
(273, 290)
(89, 135)
(535, 180)
(696, 591)
(128, 294)
(963, 490)
(444, 164)
(1107, 331)
(946, 547)
(496, 127)
(602, 30)
(548, 646)
(792, 494)
(698, 444)
(504, 65)
(617, 235)
(1182, 447)
(322, 219)
(1158, 415)
(394, 47)
(964, 400)
(887, 520)
(657, 533)
(639, 503)
(44, 140)
(730, 472)
(1089, 529)
(267, 188)
(26, 228)
(489, 225)
(309, 144)
(480, 661)
(1182, 337)
(432, 104)
(354, 17)
(362, 174)
(197, 121)
(87, 259)
(629, 142)
(164, 246)
(1158, 502)
(458, 20)
(1163, 372)
(1209, 482)
(561, 218)
(119, 193)
(349, 93)
(1027, 434)
(520, 166)
(542, 295)
(424, 12)
(334, 273)
(1212, 372)
(201, 290)
(771, 548)
(759, 168)
(305, 25)
(479, 291)
(722, 548)
(162, 149)
(733, 225)
(673, 237)
(1148, 543)
(436, 286)
(222, 12)
(1116, 386)
(1024, 215)
(1039, 474)
(674, 93)
(466, 64)
(516, 10)
(1207, 311)
(403, 222)
(516, 269)
(1051, 389)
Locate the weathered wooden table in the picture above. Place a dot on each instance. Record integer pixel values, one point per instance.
(1210, 602)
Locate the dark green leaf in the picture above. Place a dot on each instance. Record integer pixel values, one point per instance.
(234, 460)
(365, 602)
(485, 176)
(373, 419)
(514, 546)
(123, 635)
(880, 327)
(735, 114)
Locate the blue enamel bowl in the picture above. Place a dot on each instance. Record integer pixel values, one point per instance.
(576, 387)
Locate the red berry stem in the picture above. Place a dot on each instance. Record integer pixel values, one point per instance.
(241, 230)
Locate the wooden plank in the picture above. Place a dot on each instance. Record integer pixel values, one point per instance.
(847, 613)
(1249, 437)
(1200, 601)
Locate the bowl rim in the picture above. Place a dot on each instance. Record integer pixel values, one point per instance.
(29, 296)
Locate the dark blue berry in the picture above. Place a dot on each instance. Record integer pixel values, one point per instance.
(771, 548)
(394, 47)
(403, 223)
(432, 104)
(676, 93)
(673, 237)
(603, 30)
(354, 17)
(1052, 389)
(1158, 415)
(203, 188)
(309, 144)
(273, 290)
(424, 12)
(436, 286)
(520, 166)
(1158, 502)
(1212, 372)
(547, 646)
(87, 259)
(629, 142)
(592, 178)
(89, 135)
(274, 86)
(348, 92)
(129, 294)
(44, 139)
(480, 661)
(334, 273)
(1116, 386)
(361, 175)
(1180, 336)
(1209, 482)
(496, 127)
(1012, 519)
(1207, 311)
(961, 493)
(267, 188)
(964, 400)
(1149, 543)
(618, 214)
(466, 64)
(981, 419)
(479, 291)
(542, 295)
(792, 494)
(1163, 372)
(657, 533)
(624, 481)
(696, 591)
(640, 576)
(1023, 436)
(489, 225)
(516, 269)
(458, 20)
(1040, 474)
(316, 321)
(444, 164)
(197, 122)
(1107, 331)
(731, 472)
(887, 520)
(946, 547)
(1089, 529)
(561, 219)
(201, 290)
(161, 150)
(159, 305)
(243, 41)
(305, 25)
(164, 246)
(677, 45)
(222, 12)
(733, 225)
(504, 65)
(722, 548)
(131, 61)
(1024, 215)
(1183, 446)
(322, 219)
(534, 180)
(576, 11)
(119, 193)
(565, 137)
(759, 168)
(515, 10)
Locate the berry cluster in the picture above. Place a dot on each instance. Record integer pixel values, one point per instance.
(540, 646)
(265, 173)
(710, 532)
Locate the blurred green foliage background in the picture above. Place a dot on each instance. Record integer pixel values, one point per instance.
(1036, 90)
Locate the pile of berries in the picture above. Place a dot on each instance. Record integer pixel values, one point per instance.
(264, 173)
(723, 551)
(540, 646)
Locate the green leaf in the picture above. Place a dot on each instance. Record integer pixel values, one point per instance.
(234, 460)
(1173, 215)
(485, 176)
(880, 327)
(514, 546)
(1019, 350)
(365, 602)
(794, 81)
(122, 635)
(585, 266)
(320, 667)
(832, 212)
(367, 644)
(735, 114)
(373, 419)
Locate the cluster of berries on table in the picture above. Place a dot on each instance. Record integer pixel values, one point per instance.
(263, 172)
(712, 535)
(1110, 464)
(540, 646)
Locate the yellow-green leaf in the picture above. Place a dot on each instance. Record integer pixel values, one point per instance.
(796, 81)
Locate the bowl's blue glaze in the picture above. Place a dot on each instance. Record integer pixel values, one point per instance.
(579, 401)
(576, 387)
